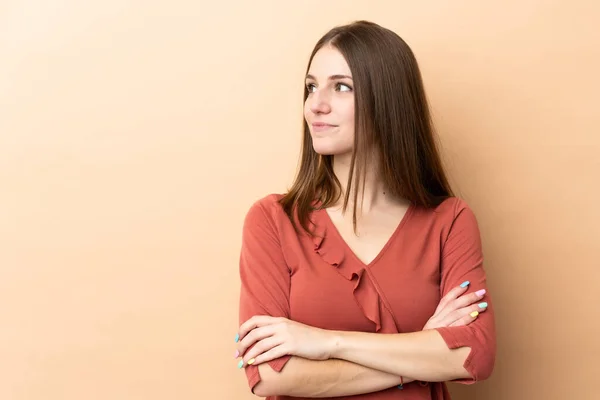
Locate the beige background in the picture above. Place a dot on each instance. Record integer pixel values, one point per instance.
(134, 135)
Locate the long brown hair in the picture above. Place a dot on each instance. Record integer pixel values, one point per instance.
(391, 115)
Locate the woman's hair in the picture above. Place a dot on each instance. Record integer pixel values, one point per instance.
(391, 117)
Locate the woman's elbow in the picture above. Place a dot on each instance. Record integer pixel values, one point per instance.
(486, 367)
(481, 366)
(262, 390)
(270, 384)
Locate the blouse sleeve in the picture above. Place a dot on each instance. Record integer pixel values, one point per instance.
(462, 260)
(264, 275)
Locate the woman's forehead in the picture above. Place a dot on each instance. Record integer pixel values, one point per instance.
(328, 61)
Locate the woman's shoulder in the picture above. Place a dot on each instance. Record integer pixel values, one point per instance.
(451, 205)
(269, 202)
(452, 214)
(267, 206)
(448, 210)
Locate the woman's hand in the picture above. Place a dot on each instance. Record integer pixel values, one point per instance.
(275, 337)
(457, 311)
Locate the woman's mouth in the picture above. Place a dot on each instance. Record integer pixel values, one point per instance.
(321, 126)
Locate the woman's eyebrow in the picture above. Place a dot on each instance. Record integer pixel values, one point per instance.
(331, 78)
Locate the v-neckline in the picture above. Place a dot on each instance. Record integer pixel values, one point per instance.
(382, 251)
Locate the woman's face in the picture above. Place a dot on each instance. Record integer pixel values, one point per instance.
(329, 107)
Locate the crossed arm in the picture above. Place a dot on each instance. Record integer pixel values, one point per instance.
(321, 363)
(327, 378)
(364, 363)
(328, 363)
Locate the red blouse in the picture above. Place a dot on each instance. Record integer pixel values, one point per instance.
(320, 282)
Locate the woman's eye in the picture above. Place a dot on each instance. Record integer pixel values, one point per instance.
(343, 87)
(339, 87)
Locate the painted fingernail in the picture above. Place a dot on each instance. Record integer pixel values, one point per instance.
(474, 314)
(237, 337)
(483, 305)
(465, 284)
(480, 292)
(241, 364)
(251, 361)
(237, 354)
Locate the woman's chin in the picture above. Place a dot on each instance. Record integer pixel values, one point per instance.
(330, 149)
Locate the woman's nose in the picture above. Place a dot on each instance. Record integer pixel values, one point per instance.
(319, 103)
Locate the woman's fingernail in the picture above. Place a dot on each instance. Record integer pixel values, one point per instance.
(251, 361)
(237, 337)
(474, 314)
(483, 305)
(237, 354)
(480, 292)
(241, 364)
(465, 284)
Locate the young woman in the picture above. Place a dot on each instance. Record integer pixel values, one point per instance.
(365, 280)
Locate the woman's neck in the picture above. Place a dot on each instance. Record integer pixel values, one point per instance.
(376, 194)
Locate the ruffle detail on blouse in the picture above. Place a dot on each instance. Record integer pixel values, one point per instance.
(333, 255)
(365, 291)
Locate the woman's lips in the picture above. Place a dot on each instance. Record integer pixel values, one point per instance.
(321, 126)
